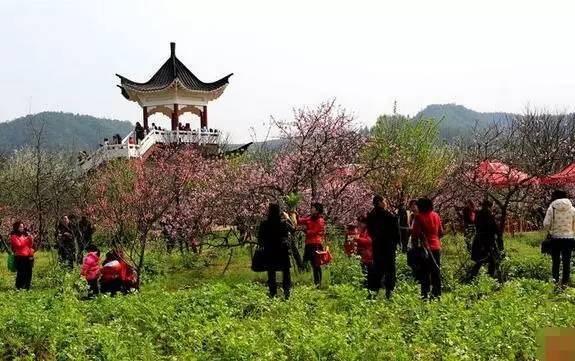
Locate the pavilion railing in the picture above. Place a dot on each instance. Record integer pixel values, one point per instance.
(127, 149)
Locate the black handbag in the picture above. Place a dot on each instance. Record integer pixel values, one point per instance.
(547, 245)
(259, 260)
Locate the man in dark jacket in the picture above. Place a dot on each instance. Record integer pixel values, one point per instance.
(383, 229)
(487, 246)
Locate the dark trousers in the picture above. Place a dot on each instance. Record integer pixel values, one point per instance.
(93, 288)
(561, 253)
(286, 282)
(404, 237)
(431, 276)
(112, 287)
(309, 256)
(23, 272)
(383, 269)
(490, 261)
(67, 257)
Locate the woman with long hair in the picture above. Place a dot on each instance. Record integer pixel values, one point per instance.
(22, 246)
(273, 236)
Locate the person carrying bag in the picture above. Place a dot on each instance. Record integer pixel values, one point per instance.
(560, 223)
(428, 230)
(273, 238)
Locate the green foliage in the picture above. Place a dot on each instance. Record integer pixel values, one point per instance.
(408, 155)
(231, 318)
(219, 321)
(292, 200)
(345, 270)
(62, 131)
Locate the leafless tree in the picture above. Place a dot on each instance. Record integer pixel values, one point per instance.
(504, 161)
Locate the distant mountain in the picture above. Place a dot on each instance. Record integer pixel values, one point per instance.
(60, 131)
(459, 121)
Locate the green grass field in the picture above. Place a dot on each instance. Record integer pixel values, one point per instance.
(188, 309)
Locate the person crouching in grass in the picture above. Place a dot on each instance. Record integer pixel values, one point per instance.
(91, 270)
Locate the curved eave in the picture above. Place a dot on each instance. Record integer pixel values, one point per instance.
(134, 94)
(147, 88)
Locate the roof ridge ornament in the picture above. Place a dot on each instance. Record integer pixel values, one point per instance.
(173, 56)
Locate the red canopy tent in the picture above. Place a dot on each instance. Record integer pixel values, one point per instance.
(564, 177)
(500, 175)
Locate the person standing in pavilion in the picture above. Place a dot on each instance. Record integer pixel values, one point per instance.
(383, 229)
(314, 225)
(140, 132)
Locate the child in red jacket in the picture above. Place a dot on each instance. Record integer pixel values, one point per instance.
(91, 269)
(364, 248)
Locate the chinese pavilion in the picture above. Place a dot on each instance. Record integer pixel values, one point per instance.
(173, 90)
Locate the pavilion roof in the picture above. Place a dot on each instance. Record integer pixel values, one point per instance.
(173, 70)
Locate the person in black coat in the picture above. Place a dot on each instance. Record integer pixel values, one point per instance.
(273, 236)
(383, 229)
(487, 246)
(140, 132)
(66, 242)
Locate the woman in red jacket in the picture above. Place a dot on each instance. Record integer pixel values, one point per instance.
(22, 246)
(428, 229)
(314, 232)
(117, 275)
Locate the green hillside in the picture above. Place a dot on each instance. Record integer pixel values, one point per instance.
(60, 131)
(459, 121)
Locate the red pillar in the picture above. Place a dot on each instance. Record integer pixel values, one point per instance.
(145, 109)
(175, 117)
(204, 117)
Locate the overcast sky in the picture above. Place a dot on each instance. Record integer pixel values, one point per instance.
(487, 55)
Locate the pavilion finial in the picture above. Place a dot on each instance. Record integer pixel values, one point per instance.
(173, 48)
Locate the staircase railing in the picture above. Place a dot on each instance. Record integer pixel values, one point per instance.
(127, 150)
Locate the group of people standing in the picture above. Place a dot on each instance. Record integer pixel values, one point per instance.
(73, 238)
(376, 239)
(416, 230)
(274, 236)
